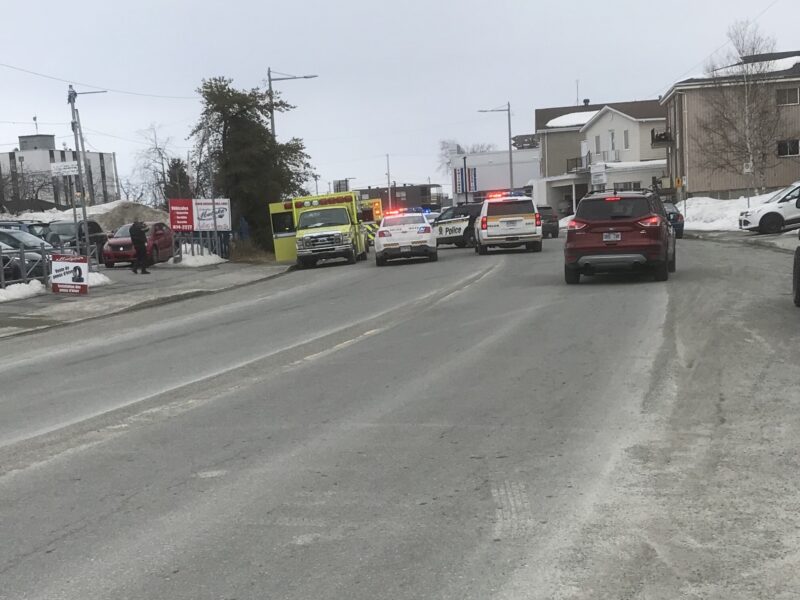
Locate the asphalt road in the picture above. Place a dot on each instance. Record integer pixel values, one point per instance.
(472, 428)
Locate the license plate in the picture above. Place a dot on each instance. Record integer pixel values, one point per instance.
(405, 248)
(612, 237)
(511, 223)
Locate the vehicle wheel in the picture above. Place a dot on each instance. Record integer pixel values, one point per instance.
(469, 237)
(433, 257)
(673, 262)
(571, 276)
(534, 246)
(380, 261)
(662, 271)
(481, 249)
(554, 235)
(109, 265)
(771, 224)
(352, 257)
(679, 235)
(796, 277)
(154, 256)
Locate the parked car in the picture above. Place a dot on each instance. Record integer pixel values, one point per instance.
(456, 225)
(549, 221)
(12, 271)
(796, 276)
(619, 231)
(777, 213)
(67, 235)
(675, 218)
(508, 222)
(119, 248)
(15, 240)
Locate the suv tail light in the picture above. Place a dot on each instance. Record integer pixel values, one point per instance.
(384, 233)
(574, 225)
(484, 226)
(538, 218)
(679, 218)
(651, 221)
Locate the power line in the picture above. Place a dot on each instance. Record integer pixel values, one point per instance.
(96, 87)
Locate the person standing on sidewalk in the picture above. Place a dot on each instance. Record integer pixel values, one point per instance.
(138, 234)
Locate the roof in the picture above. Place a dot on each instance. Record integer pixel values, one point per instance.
(785, 65)
(572, 119)
(637, 109)
(608, 109)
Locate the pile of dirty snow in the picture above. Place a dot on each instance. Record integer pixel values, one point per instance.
(98, 279)
(20, 291)
(110, 216)
(198, 260)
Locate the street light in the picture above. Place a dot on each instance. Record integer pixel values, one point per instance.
(507, 109)
(270, 79)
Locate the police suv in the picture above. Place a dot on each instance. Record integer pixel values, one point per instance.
(455, 225)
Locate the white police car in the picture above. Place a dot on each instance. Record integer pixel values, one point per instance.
(405, 235)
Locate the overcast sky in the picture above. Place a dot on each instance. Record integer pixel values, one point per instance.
(394, 77)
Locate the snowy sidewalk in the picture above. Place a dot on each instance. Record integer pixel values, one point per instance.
(128, 291)
(785, 242)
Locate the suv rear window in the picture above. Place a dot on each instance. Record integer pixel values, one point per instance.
(603, 209)
(509, 207)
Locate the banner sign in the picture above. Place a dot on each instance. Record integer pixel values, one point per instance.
(204, 214)
(198, 214)
(60, 169)
(70, 274)
(181, 215)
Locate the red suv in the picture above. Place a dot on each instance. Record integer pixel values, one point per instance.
(619, 231)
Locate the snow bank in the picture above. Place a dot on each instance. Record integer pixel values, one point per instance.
(98, 279)
(573, 119)
(20, 291)
(198, 260)
(110, 216)
(711, 214)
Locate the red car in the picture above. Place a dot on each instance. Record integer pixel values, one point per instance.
(119, 247)
(619, 231)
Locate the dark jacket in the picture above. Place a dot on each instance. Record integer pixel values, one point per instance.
(138, 233)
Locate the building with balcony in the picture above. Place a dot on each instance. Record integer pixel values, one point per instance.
(692, 104)
(27, 182)
(597, 146)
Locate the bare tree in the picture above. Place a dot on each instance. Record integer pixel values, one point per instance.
(448, 147)
(151, 167)
(743, 120)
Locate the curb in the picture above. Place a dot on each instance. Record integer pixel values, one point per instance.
(697, 235)
(153, 302)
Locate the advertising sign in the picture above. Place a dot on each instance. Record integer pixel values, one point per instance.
(204, 214)
(60, 169)
(70, 274)
(599, 175)
(181, 215)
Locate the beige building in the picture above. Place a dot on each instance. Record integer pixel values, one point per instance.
(597, 146)
(688, 104)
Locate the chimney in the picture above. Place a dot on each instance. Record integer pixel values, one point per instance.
(586, 102)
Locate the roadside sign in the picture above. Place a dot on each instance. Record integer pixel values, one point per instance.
(204, 210)
(599, 174)
(181, 214)
(747, 168)
(60, 169)
(70, 274)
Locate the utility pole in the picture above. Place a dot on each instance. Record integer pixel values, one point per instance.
(466, 181)
(388, 182)
(86, 164)
(316, 184)
(71, 97)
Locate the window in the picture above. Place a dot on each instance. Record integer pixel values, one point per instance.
(598, 209)
(597, 144)
(446, 214)
(282, 223)
(509, 207)
(789, 148)
(626, 142)
(787, 96)
(612, 139)
(627, 186)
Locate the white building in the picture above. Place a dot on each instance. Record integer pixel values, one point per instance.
(595, 147)
(26, 181)
(477, 174)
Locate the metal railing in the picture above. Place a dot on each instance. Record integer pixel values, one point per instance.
(200, 244)
(579, 163)
(24, 265)
(660, 138)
